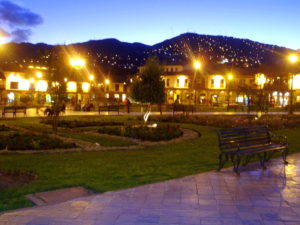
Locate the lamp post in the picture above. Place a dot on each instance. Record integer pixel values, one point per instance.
(197, 66)
(229, 78)
(77, 63)
(292, 59)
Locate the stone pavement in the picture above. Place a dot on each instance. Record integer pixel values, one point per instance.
(257, 197)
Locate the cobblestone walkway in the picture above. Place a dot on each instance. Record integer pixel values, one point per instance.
(257, 197)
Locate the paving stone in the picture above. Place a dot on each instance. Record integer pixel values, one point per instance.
(256, 197)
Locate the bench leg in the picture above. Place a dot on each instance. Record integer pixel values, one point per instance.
(247, 160)
(284, 155)
(236, 163)
(222, 161)
(262, 159)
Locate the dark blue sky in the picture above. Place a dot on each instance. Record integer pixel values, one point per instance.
(152, 21)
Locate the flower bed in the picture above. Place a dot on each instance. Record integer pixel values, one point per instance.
(144, 133)
(25, 141)
(81, 123)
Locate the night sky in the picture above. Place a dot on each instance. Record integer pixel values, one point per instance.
(150, 21)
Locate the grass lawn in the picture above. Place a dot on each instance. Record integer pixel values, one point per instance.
(106, 171)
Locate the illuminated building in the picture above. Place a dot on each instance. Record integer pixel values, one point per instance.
(212, 87)
(30, 86)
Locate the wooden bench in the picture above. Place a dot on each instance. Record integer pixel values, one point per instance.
(109, 108)
(14, 110)
(235, 143)
(183, 108)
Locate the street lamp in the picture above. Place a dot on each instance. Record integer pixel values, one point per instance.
(91, 77)
(292, 59)
(77, 63)
(229, 78)
(197, 66)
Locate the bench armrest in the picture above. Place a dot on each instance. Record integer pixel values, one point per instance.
(278, 139)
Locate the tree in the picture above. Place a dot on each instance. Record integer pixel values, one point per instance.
(149, 86)
(57, 86)
(257, 97)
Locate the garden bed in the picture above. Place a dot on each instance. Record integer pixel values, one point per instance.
(82, 123)
(15, 179)
(274, 122)
(26, 141)
(144, 133)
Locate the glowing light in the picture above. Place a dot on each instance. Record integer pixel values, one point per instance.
(41, 85)
(230, 76)
(71, 86)
(65, 79)
(91, 77)
(31, 67)
(293, 58)
(217, 81)
(123, 97)
(296, 81)
(77, 63)
(39, 75)
(181, 81)
(11, 96)
(260, 80)
(24, 84)
(85, 87)
(31, 80)
(197, 65)
(107, 81)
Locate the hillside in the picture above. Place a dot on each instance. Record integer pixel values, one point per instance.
(121, 58)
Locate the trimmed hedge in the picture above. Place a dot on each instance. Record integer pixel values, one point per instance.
(272, 121)
(145, 133)
(4, 128)
(24, 141)
(80, 123)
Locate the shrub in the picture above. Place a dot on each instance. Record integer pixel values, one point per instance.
(110, 130)
(272, 121)
(159, 133)
(17, 141)
(24, 141)
(4, 128)
(80, 123)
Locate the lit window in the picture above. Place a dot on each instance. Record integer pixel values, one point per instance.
(71, 86)
(41, 85)
(85, 87)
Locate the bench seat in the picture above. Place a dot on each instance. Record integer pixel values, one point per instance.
(235, 143)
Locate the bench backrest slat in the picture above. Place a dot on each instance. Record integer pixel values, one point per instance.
(231, 138)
